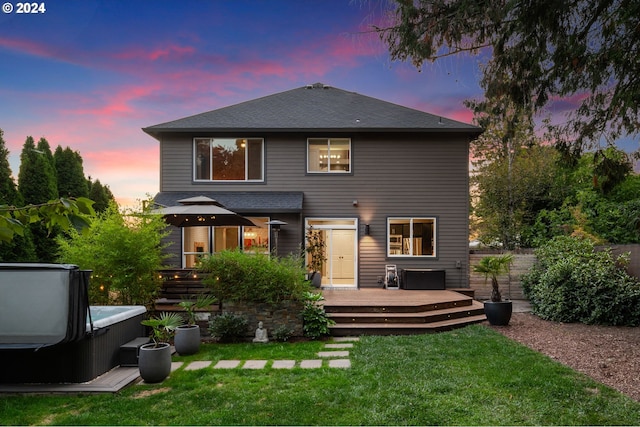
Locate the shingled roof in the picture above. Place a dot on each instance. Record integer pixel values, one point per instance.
(315, 107)
(244, 202)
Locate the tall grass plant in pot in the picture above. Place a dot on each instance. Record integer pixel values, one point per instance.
(154, 360)
(497, 310)
(187, 339)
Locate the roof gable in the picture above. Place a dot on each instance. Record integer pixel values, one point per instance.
(314, 107)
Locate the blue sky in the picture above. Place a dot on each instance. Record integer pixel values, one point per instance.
(90, 74)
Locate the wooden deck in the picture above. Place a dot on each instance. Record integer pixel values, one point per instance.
(400, 312)
(110, 382)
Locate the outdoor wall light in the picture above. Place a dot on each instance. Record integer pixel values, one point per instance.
(355, 202)
(367, 230)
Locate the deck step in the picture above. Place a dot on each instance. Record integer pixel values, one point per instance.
(400, 312)
(474, 309)
(129, 351)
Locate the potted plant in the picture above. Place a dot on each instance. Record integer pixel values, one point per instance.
(315, 250)
(154, 360)
(187, 339)
(498, 312)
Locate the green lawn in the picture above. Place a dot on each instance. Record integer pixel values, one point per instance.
(472, 376)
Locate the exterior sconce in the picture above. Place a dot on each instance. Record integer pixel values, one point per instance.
(367, 230)
(355, 203)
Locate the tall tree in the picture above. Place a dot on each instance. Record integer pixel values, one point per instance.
(37, 185)
(512, 190)
(70, 173)
(36, 179)
(100, 194)
(541, 50)
(18, 248)
(8, 192)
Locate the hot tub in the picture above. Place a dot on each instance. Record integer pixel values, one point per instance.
(107, 328)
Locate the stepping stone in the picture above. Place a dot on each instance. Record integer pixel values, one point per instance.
(176, 365)
(345, 345)
(198, 364)
(227, 364)
(311, 364)
(333, 354)
(254, 364)
(346, 339)
(283, 364)
(340, 363)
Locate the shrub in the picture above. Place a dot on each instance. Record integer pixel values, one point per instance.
(228, 327)
(572, 282)
(282, 333)
(257, 278)
(123, 254)
(316, 321)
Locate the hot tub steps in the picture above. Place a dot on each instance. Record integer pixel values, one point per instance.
(129, 351)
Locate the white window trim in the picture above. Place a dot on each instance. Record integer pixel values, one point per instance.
(411, 219)
(329, 171)
(246, 159)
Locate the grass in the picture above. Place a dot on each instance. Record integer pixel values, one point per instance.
(472, 376)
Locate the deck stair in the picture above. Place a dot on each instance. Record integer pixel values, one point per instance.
(180, 285)
(400, 312)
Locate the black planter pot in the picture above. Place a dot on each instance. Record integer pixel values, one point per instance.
(498, 313)
(154, 362)
(187, 339)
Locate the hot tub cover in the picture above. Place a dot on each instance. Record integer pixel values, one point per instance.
(42, 304)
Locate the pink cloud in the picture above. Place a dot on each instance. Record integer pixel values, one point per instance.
(568, 103)
(112, 102)
(170, 52)
(26, 46)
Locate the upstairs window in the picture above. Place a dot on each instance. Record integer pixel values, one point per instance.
(328, 155)
(411, 237)
(228, 159)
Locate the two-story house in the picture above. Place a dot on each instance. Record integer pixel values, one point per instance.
(383, 184)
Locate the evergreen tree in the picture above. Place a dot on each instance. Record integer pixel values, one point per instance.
(100, 194)
(36, 179)
(21, 248)
(70, 173)
(8, 192)
(37, 184)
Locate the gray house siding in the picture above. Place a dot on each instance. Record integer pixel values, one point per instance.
(392, 175)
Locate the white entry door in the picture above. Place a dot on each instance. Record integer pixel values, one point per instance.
(340, 238)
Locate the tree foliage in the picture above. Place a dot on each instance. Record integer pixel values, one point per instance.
(70, 173)
(64, 214)
(55, 192)
(585, 51)
(13, 247)
(37, 185)
(8, 192)
(510, 191)
(124, 253)
(36, 178)
(100, 194)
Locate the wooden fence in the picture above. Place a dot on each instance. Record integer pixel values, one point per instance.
(510, 284)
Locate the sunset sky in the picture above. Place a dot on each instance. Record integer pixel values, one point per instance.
(90, 74)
